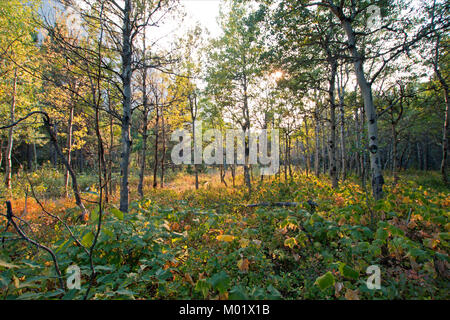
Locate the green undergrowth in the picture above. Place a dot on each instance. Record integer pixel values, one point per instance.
(207, 244)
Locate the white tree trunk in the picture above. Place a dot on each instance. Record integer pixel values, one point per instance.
(69, 150)
(370, 111)
(8, 164)
(126, 106)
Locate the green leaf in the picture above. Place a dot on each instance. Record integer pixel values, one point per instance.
(117, 213)
(163, 275)
(108, 232)
(52, 294)
(375, 250)
(70, 294)
(237, 293)
(125, 292)
(87, 239)
(396, 231)
(382, 234)
(325, 281)
(220, 281)
(348, 272)
(94, 214)
(30, 296)
(442, 256)
(104, 268)
(290, 242)
(274, 294)
(417, 253)
(61, 246)
(444, 236)
(202, 286)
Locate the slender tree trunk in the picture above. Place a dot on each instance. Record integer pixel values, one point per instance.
(308, 158)
(195, 165)
(316, 149)
(324, 151)
(332, 141)
(54, 151)
(372, 123)
(246, 167)
(419, 157)
(111, 145)
(444, 163)
(223, 171)
(34, 155)
(101, 154)
(193, 107)
(233, 174)
(407, 158)
(388, 157)
(29, 150)
(343, 148)
(394, 154)
(289, 157)
(155, 168)
(76, 190)
(9, 147)
(363, 133)
(144, 154)
(144, 128)
(81, 159)
(69, 150)
(357, 143)
(443, 82)
(445, 139)
(163, 152)
(285, 156)
(196, 176)
(126, 107)
(1, 153)
(246, 129)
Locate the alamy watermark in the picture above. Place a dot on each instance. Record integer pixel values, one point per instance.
(374, 20)
(74, 277)
(236, 141)
(374, 280)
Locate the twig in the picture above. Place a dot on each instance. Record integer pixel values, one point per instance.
(54, 141)
(55, 216)
(409, 216)
(10, 217)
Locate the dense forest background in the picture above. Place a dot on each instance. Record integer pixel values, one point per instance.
(91, 92)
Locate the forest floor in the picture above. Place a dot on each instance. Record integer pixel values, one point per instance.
(182, 243)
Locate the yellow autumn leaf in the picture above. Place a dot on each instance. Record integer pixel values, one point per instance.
(225, 238)
(244, 242)
(351, 294)
(16, 282)
(223, 296)
(243, 265)
(188, 278)
(290, 242)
